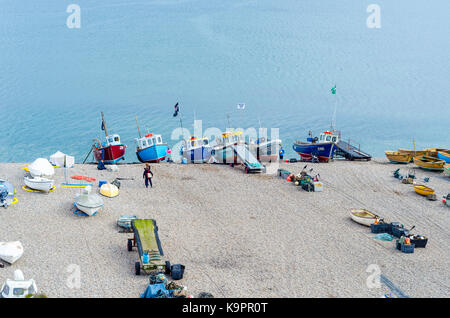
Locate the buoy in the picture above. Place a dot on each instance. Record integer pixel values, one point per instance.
(286, 161)
(288, 179)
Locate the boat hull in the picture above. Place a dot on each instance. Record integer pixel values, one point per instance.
(367, 221)
(88, 210)
(397, 157)
(110, 154)
(429, 163)
(155, 153)
(444, 155)
(266, 151)
(197, 155)
(11, 191)
(39, 184)
(324, 151)
(423, 190)
(447, 169)
(226, 155)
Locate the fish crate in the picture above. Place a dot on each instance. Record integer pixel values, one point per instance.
(419, 243)
(380, 228)
(398, 231)
(407, 248)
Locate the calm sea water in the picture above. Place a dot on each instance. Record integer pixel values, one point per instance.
(280, 58)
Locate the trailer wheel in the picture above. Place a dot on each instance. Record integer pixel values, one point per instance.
(167, 271)
(137, 268)
(130, 245)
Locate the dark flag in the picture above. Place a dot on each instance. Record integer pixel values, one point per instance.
(177, 109)
(103, 126)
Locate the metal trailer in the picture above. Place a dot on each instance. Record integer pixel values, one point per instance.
(146, 240)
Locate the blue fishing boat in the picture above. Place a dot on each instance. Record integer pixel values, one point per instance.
(196, 150)
(322, 148)
(444, 155)
(151, 148)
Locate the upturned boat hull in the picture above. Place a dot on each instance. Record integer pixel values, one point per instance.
(423, 190)
(11, 251)
(152, 154)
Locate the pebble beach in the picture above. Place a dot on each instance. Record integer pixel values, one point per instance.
(239, 235)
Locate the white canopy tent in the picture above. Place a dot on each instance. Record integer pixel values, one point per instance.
(62, 160)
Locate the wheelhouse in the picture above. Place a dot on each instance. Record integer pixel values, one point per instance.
(328, 136)
(194, 142)
(232, 137)
(113, 140)
(148, 141)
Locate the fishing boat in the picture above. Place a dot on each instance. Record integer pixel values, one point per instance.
(447, 169)
(423, 190)
(414, 153)
(323, 148)
(265, 149)
(7, 192)
(18, 287)
(429, 163)
(231, 148)
(88, 202)
(38, 183)
(196, 150)
(398, 157)
(363, 217)
(433, 152)
(11, 251)
(110, 151)
(150, 148)
(444, 155)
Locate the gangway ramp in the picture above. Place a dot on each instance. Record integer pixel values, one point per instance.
(250, 162)
(350, 152)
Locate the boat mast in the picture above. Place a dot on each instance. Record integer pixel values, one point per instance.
(139, 130)
(104, 125)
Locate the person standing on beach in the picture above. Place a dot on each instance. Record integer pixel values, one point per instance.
(148, 175)
(281, 153)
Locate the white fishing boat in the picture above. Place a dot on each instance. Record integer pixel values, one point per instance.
(223, 150)
(265, 149)
(18, 287)
(11, 251)
(88, 202)
(196, 150)
(363, 217)
(38, 183)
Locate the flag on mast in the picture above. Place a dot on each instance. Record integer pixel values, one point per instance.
(241, 106)
(177, 109)
(333, 90)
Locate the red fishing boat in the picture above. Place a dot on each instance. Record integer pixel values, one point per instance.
(112, 150)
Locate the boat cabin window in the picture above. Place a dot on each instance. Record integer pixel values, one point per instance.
(110, 140)
(6, 290)
(328, 138)
(321, 137)
(31, 289)
(334, 139)
(18, 291)
(205, 142)
(159, 140)
(193, 143)
(116, 139)
(150, 142)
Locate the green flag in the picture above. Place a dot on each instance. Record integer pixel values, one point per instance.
(333, 90)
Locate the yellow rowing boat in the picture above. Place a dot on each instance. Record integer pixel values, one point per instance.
(447, 169)
(433, 152)
(398, 157)
(423, 190)
(429, 163)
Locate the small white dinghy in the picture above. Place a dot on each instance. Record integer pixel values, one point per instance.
(18, 287)
(11, 251)
(363, 217)
(38, 183)
(88, 202)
